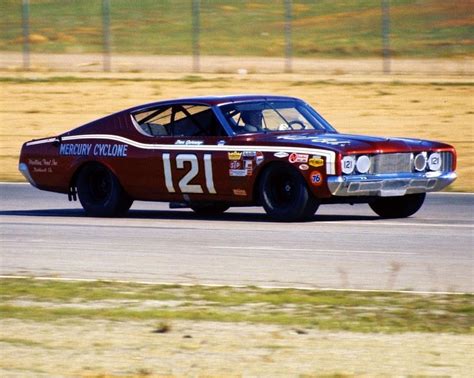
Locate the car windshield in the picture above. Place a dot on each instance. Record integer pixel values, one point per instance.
(273, 116)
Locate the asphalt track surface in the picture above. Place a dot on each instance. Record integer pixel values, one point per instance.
(343, 247)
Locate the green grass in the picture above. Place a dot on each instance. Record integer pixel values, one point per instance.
(48, 300)
(325, 28)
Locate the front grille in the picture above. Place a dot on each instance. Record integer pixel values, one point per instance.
(392, 163)
(447, 161)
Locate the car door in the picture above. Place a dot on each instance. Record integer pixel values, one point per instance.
(189, 165)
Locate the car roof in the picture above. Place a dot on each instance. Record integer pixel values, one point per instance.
(213, 100)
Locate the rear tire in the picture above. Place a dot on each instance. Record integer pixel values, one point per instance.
(209, 209)
(100, 192)
(284, 194)
(398, 207)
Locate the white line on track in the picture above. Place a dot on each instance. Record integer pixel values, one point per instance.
(324, 251)
(395, 224)
(67, 279)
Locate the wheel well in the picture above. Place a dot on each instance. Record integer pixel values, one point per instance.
(72, 183)
(72, 191)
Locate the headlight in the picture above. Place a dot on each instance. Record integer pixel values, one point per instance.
(434, 161)
(348, 164)
(363, 164)
(420, 162)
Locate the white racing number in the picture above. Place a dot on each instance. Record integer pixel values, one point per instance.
(184, 184)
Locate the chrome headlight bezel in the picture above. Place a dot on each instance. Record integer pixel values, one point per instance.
(363, 164)
(420, 161)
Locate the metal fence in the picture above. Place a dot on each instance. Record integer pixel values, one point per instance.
(285, 29)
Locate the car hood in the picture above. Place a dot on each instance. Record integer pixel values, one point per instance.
(343, 143)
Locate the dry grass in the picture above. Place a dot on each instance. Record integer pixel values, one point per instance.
(104, 348)
(42, 104)
(100, 329)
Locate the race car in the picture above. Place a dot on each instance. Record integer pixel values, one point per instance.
(212, 153)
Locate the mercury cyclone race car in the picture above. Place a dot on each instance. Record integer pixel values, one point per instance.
(211, 153)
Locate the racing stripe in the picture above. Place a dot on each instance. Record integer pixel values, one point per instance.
(329, 155)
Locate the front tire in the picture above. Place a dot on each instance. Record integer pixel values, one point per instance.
(398, 207)
(284, 194)
(100, 192)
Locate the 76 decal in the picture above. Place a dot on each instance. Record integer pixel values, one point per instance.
(184, 184)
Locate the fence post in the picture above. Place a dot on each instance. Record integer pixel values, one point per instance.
(196, 10)
(386, 36)
(288, 40)
(106, 35)
(25, 22)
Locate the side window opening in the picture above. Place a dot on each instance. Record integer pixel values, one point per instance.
(153, 122)
(178, 120)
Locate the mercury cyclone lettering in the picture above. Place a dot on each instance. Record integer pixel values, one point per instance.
(74, 149)
(113, 150)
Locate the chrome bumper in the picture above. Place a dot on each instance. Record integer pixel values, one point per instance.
(389, 185)
(23, 168)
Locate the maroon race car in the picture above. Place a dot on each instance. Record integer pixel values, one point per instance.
(210, 153)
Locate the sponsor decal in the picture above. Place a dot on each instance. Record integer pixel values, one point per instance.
(249, 167)
(235, 164)
(293, 137)
(240, 192)
(189, 142)
(42, 162)
(315, 178)
(84, 149)
(304, 167)
(257, 156)
(237, 172)
(234, 155)
(298, 158)
(316, 161)
(331, 141)
(280, 154)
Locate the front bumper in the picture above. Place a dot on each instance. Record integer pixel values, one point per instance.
(389, 185)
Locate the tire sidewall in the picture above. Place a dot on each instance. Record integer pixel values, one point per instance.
(398, 207)
(113, 202)
(302, 203)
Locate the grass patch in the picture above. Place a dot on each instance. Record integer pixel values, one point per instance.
(49, 300)
(342, 28)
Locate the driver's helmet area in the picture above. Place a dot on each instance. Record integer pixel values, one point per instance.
(265, 116)
(251, 120)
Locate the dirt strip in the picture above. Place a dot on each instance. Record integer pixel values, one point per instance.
(232, 64)
(111, 348)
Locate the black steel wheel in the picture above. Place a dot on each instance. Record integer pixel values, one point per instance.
(209, 209)
(398, 207)
(285, 195)
(100, 192)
